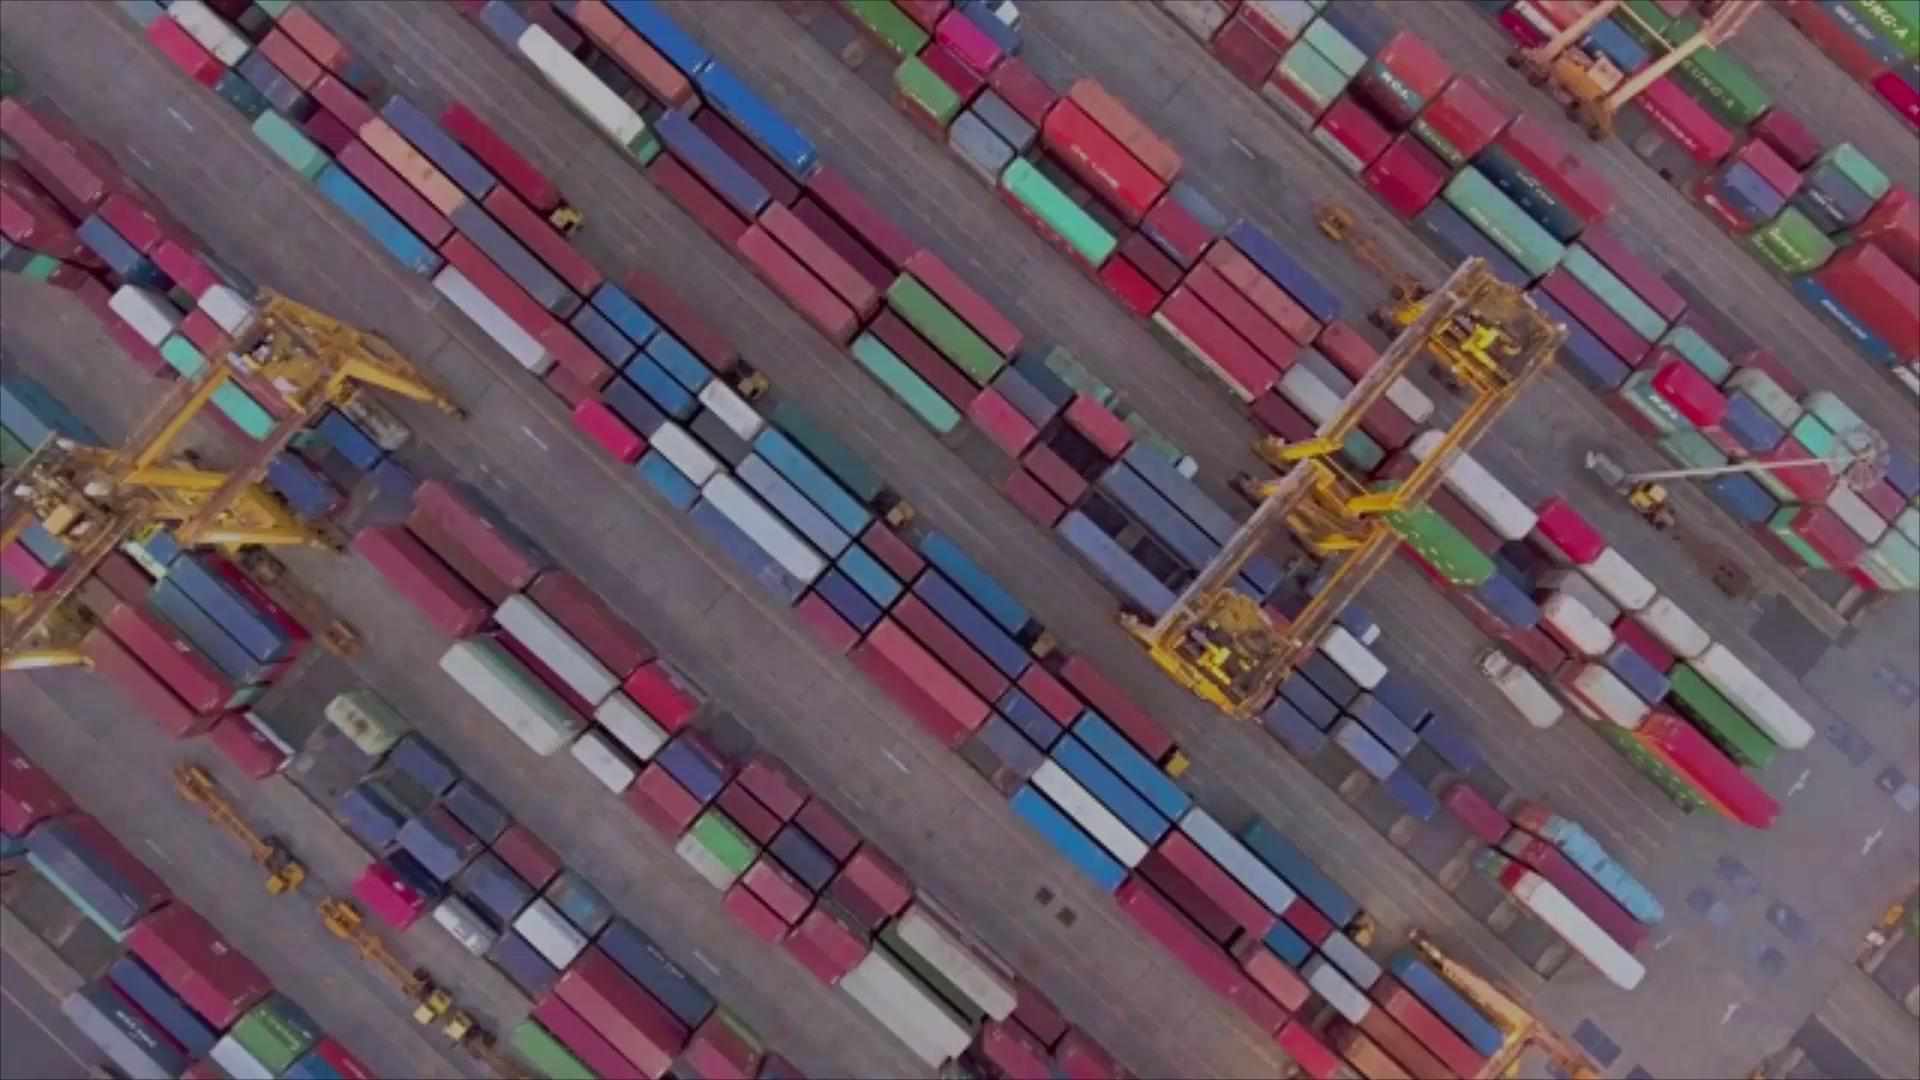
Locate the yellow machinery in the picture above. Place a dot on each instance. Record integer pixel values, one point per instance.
(1221, 644)
(283, 873)
(93, 498)
(1520, 1028)
(1336, 222)
(1596, 90)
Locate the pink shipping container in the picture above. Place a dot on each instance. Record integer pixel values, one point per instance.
(1415, 64)
(1789, 138)
(635, 1024)
(1474, 811)
(115, 663)
(827, 625)
(1009, 429)
(1685, 121)
(1271, 974)
(858, 215)
(418, 575)
(1407, 176)
(774, 785)
(1025, 91)
(1606, 912)
(181, 50)
(1536, 147)
(393, 900)
(665, 695)
(799, 286)
(1078, 1057)
(1467, 115)
(1568, 531)
(28, 793)
(1691, 393)
(1634, 272)
(1130, 285)
(660, 801)
(1433, 1032)
(1217, 885)
(1274, 345)
(753, 913)
(612, 433)
(825, 946)
(594, 1052)
(919, 682)
(813, 252)
(586, 616)
(1245, 48)
(213, 977)
(1107, 432)
(783, 893)
(1011, 1049)
(1273, 301)
(1352, 133)
(1224, 352)
(1313, 1056)
(75, 170)
(718, 1051)
(968, 43)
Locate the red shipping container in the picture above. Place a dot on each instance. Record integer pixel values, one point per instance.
(1011, 1050)
(200, 329)
(607, 429)
(342, 101)
(1267, 295)
(1272, 343)
(1131, 287)
(139, 221)
(1531, 143)
(825, 946)
(1407, 177)
(212, 976)
(782, 893)
(774, 786)
(1307, 1051)
(1034, 1012)
(968, 43)
(1050, 694)
(1144, 253)
(662, 802)
(1158, 918)
(858, 215)
(1029, 95)
(543, 240)
(1279, 417)
(1307, 920)
(1216, 924)
(996, 329)
(1900, 95)
(926, 361)
(797, 285)
(926, 13)
(665, 304)
(636, 1025)
(893, 551)
(708, 210)
(1685, 121)
(1078, 1057)
(1245, 49)
(528, 855)
(828, 829)
(1401, 1045)
(1175, 231)
(28, 793)
(1825, 533)
(171, 657)
(747, 812)
(1224, 352)
(752, 912)
(184, 52)
(1112, 702)
(1217, 885)
(1055, 474)
(1868, 283)
(1101, 161)
(498, 155)
(186, 268)
(449, 603)
(854, 251)
(121, 668)
(1005, 425)
(1703, 762)
(1107, 432)
(1416, 65)
(1690, 393)
(586, 1044)
(919, 683)
(1480, 817)
(585, 614)
(1789, 138)
(242, 744)
(1836, 40)
(1467, 114)
(1633, 272)
(1352, 133)
(1433, 1033)
(1107, 111)
(1615, 333)
(344, 1063)
(846, 280)
(1894, 227)
(31, 218)
(1271, 974)
(879, 879)
(632, 52)
(1628, 631)
(944, 642)
(664, 694)
(291, 60)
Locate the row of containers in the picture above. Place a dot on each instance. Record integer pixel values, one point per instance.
(543, 654)
(1875, 41)
(765, 540)
(179, 999)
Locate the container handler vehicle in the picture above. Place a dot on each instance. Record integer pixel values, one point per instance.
(196, 786)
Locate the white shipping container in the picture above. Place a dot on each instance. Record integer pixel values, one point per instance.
(595, 99)
(606, 762)
(456, 918)
(1854, 512)
(213, 33)
(1226, 849)
(1359, 968)
(1308, 394)
(227, 308)
(493, 322)
(366, 719)
(1346, 998)
(545, 638)
(764, 527)
(632, 726)
(952, 955)
(1575, 584)
(1411, 400)
(732, 409)
(1092, 815)
(1574, 624)
(1522, 690)
(1484, 495)
(684, 452)
(881, 985)
(1768, 710)
(151, 315)
(1603, 692)
(1353, 658)
(549, 932)
(1623, 582)
(544, 724)
(1541, 897)
(704, 862)
(1673, 628)
(238, 1060)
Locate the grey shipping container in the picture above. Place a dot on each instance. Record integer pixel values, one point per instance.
(136, 1045)
(636, 954)
(1034, 722)
(522, 964)
(1013, 385)
(1444, 734)
(787, 500)
(1120, 570)
(1184, 494)
(1314, 705)
(1374, 715)
(87, 860)
(1367, 752)
(979, 145)
(745, 553)
(581, 903)
(1288, 724)
(600, 334)
(416, 758)
(1004, 120)
(493, 890)
(1133, 494)
(438, 843)
(1329, 678)
(1409, 699)
(514, 260)
(1362, 970)
(1405, 788)
(712, 429)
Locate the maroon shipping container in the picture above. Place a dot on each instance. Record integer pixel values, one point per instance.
(213, 977)
(291, 60)
(1480, 817)
(1385, 424)
(1407, 176)
(776, 887)
(418, 575)
(1278, 416)
(1350, 352)
(828, 829)
(513, 169)
(1229, 356)
(1614, 332)
(1783, 131)
(1541, 651)
(527, 855)
(317, 40)
(1013, 1051)
(854, 251)
(662, 802)
(539, 670)
(505, 293)
(749, 813)
(1825, 533)
(172, 658)
(825, 946)
(846, 280)
(1433, 1033)
(77, 172)
(543, 240)
(1198, 867)
(718, 1051)
(665, 304)
(136, 219)
(1400, 1044)
(1894, 228)
(31, 218)
(1107, 432)
(180, 49)
(1174, 230)
(926, 361)
(1154, 915)
(508, 559)
(1111, 702)
(1628, 631)
(1245, 50)
(1009, 429)
(1585, 192)
(1308, 1051)
(1836, 40)
(752, 912)
(996, 329)
(926, 13)
(124, 577)
(117, 665)
(858, 215)
(1685, 121)
(893, 552)
(879, 879)
(1762, 158)
(398, 195)
(1078, 1057)
(748, 156)
(1037, 1014)
(585, 615)
(1271, 974)
(1273, 344)
(959, 76)
(28, 793)
(1032, 498)
(1479, 533)
(828, 627)
(342, 101)
(1029, 95)
(1467, 114)
(1146, 256)
(635, 1024)
(1567, 532)
(1130, 286)
(1050, 694)
(774, 786)
(918, 683)
(1216, 924)
(1867, 282)
(241, 743)
(574, 1033)
(708, 210)
(185, 267)
(807, 294)
(1354, 135)
(1606, 912)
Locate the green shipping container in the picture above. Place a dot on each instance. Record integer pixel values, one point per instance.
(1061, 361)
(828, 450)
(1827, 407)
(1781, 528)
(1650, 14)
(1897, 558)
(1502, 220)
(1792, 243)
(1048, 203)
(246, 413)
(39, 267)
(12, 450)
(1329, 42)
(1721, 84)
(1361, 453)
(1896, 22)
(538, 1048)
(888, 23)
(1692, 450)
(1614, 293)
(9, 80)
(1814, 435)
(917, 83)
(724, 841)
(289, 144)
(1718, 719)
(905, 384)
(1444, 547)
(1857, 167)
(1308, 71)
(935, 979)
(1675, 786)
(946, 331)
(1698, 352)
(277, 1032)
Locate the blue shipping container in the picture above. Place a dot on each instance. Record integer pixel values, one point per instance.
(162, 1005)
(1288, 945)
(1133, 494)
(439, 147)
(779, 492)
(664, 34)
(1280, 854)
(1121, 571)
(704, 158)
(1125, 759)
(1273, 261)
(31, 412)
(1528, 193)
(792, 462)
(1611, 40)
(1288, 724)
(1440, 996)
(1508, 602)
(1127, 804)
(179, 611)
(521, 963)
(1444, 734)
(493, 890)
(972, 579)
(1448, 231)
(504, 22)
(1405, 695)
(1317, 707)
(44, 546)
(1029, 718)
(310, 494)
(1068, 839)
(1412, 795)
(806, 859)
(1633, 669)
(661, 388)
(633, 406)
(724, 91)
(625, 313)
(846, 598)
(472, 806)
(1749, 425)
(638, 956)
(866, 571)
(1392, 732)
(120, 256)
(972, 624)
(670, 482)
(1582, 353)
(344, 192)
(345, 436)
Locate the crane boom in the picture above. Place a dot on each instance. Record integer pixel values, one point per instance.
(1520, 1027)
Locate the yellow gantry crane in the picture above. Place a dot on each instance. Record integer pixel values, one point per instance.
(1595, 89)
(94, 498)
(1223, 645)
(1520, 1029)
(195, 786)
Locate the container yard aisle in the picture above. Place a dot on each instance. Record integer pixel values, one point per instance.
(67, 720)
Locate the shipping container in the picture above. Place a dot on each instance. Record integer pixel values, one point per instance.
(94, 869)
(882, 985)
(1539, 896)
(1765, 708)
(513, 695)
(1208, 962)
(1087, 855)
(190, 956)
(129, 1039)
(726, 93)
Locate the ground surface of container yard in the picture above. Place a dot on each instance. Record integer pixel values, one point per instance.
(1757, 948)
